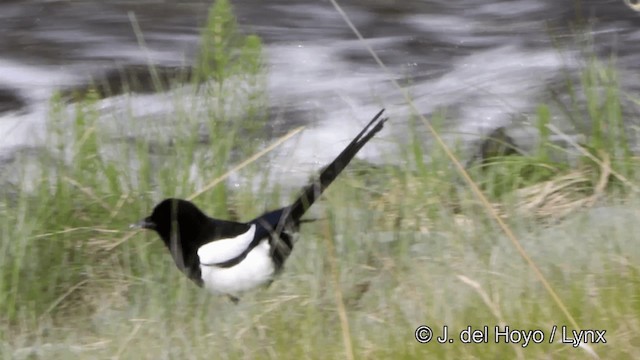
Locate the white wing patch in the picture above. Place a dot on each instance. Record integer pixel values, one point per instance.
(225, 249)
(255, 270)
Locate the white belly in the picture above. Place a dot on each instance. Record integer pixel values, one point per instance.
(256, 269)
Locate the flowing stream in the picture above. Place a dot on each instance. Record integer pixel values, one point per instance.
(487, 62)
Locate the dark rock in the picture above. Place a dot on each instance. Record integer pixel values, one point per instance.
(497, 144)
(130, 79)
(10, 101)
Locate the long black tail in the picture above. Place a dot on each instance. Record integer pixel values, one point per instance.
(313, 191)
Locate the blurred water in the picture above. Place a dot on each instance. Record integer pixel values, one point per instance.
(485, 61)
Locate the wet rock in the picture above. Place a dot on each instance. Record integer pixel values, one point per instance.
(10, 101)
(497, 144)
(140, 79)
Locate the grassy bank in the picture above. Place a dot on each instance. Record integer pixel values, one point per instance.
(395, 247)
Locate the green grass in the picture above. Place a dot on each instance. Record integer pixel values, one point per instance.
(408, 244)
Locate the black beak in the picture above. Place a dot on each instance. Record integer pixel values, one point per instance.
(145, 223)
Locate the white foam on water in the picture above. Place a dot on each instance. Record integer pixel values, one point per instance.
(483, 62)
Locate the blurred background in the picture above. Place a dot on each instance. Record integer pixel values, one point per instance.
(107, 107)
(488, 63)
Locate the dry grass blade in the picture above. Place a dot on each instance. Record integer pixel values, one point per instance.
(129, 235)
(342, 310)
(495, 310)
(605, 173)
(174, 248)
(268, 307)
(586, 153)
(563, 195)
(248, 161)
(87, 192)
(461, 170)
(558, 197)
(119, 205)
(72, 230)
(126, 342)
(85, 136)
(589, 350)
(221, 178)
(62, 297)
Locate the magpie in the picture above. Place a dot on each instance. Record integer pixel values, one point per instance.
(228, 257)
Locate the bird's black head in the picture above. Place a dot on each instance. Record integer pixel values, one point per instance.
(172, 213)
